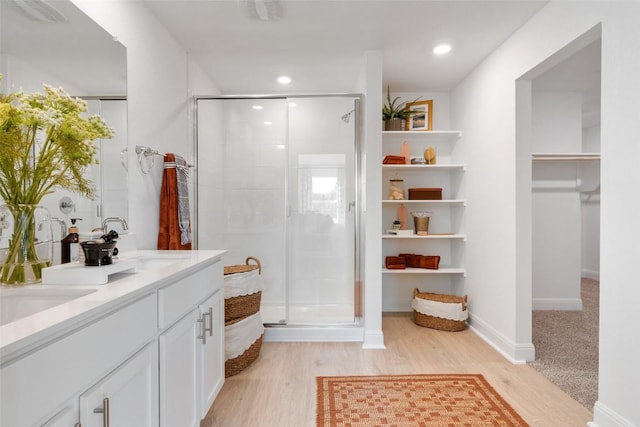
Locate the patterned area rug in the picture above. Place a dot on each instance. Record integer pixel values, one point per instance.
(412, 400)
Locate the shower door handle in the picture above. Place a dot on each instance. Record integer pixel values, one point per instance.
(352, 205)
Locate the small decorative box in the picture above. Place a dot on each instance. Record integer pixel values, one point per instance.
(425, 194)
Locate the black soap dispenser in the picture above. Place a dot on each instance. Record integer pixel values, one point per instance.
(70, 245)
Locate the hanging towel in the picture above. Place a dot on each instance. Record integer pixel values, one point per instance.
(174, 229)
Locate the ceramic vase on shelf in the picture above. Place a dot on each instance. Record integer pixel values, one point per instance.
(26, 244)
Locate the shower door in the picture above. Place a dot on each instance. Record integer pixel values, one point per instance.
(277, 180)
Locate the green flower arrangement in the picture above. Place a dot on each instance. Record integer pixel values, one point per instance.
(47, 142)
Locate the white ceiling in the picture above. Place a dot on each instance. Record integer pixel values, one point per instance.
(320, 43)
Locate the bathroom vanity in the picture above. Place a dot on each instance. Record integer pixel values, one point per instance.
(145, 349)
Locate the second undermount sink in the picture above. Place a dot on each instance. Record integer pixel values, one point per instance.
(17, 303)
(155, 261)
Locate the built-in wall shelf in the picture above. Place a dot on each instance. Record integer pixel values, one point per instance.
(422, 168)
(447, 215)
(409, 270)
(428, 236)
(456, 202)
(549, 157)
(425, 134)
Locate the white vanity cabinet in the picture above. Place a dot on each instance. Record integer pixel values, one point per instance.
(68, 416)
(128, 396)
(191, 346)
(40, 386)
(211, 377)
(146, 351)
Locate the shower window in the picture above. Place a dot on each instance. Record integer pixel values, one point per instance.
(322, 184)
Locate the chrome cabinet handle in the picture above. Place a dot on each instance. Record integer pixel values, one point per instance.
(203, 328)
(210, 328)
(104, 411)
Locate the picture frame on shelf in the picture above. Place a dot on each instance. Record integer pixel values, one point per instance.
(421, 117)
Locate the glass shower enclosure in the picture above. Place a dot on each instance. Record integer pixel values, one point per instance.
(277, 179)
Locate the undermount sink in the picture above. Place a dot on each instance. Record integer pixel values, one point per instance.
(16, 303)
(156, 261)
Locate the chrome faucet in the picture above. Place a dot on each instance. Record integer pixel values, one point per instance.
(119, 220)
(63, 226)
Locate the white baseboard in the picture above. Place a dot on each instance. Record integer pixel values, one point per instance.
(373, 340)
(515, 353)
(605, 416)
(313, 334)
(564, 304)
(591, 274)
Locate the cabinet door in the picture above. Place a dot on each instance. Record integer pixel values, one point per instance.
(127, 397)
(67, 417)
(178, 369)
(211, 375)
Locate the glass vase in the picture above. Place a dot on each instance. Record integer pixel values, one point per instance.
(26, 244)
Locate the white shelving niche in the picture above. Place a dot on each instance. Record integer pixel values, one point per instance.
(446, 236)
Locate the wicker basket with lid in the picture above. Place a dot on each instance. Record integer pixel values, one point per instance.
(239, 306)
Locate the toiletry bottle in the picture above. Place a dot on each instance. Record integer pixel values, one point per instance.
(70, 247)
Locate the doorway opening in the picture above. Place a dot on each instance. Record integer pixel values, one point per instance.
(559, 156)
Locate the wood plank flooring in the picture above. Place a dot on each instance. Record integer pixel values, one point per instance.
(278, 389)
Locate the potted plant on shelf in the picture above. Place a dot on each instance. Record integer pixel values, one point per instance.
(47, 142)
(394, 112)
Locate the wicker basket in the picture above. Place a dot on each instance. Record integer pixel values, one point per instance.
(243, 305)
(443, 324)
(238, 364)
(233, 269)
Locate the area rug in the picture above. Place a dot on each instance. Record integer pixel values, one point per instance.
(412, 400)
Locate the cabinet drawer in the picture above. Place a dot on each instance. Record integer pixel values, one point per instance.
(59, 370)
(175, 300)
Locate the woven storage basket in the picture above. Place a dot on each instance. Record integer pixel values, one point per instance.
(243, 305)
(443, 324)
(238, 364)
(232, 269)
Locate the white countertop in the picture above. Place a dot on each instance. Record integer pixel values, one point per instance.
(163, 268)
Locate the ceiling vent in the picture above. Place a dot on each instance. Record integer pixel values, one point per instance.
(39, 10)
(263, 10)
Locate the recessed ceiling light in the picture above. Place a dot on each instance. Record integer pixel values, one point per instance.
(441, 49)
(257, 107)
(268, 123)
(284, 80)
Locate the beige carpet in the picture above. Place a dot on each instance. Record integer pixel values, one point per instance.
(412, 400)
(566, 344)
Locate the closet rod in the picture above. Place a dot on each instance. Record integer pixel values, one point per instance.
(565, 156)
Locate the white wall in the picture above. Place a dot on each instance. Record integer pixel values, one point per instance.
(590, 173)
(556, 128)
(157, 94)
(369, 84)
(498, 251)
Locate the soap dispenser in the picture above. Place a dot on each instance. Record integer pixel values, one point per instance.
(70, 245)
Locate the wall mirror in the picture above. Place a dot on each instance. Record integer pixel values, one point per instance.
(54, 42)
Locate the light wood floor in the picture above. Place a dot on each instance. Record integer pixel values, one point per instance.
(278, 389)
